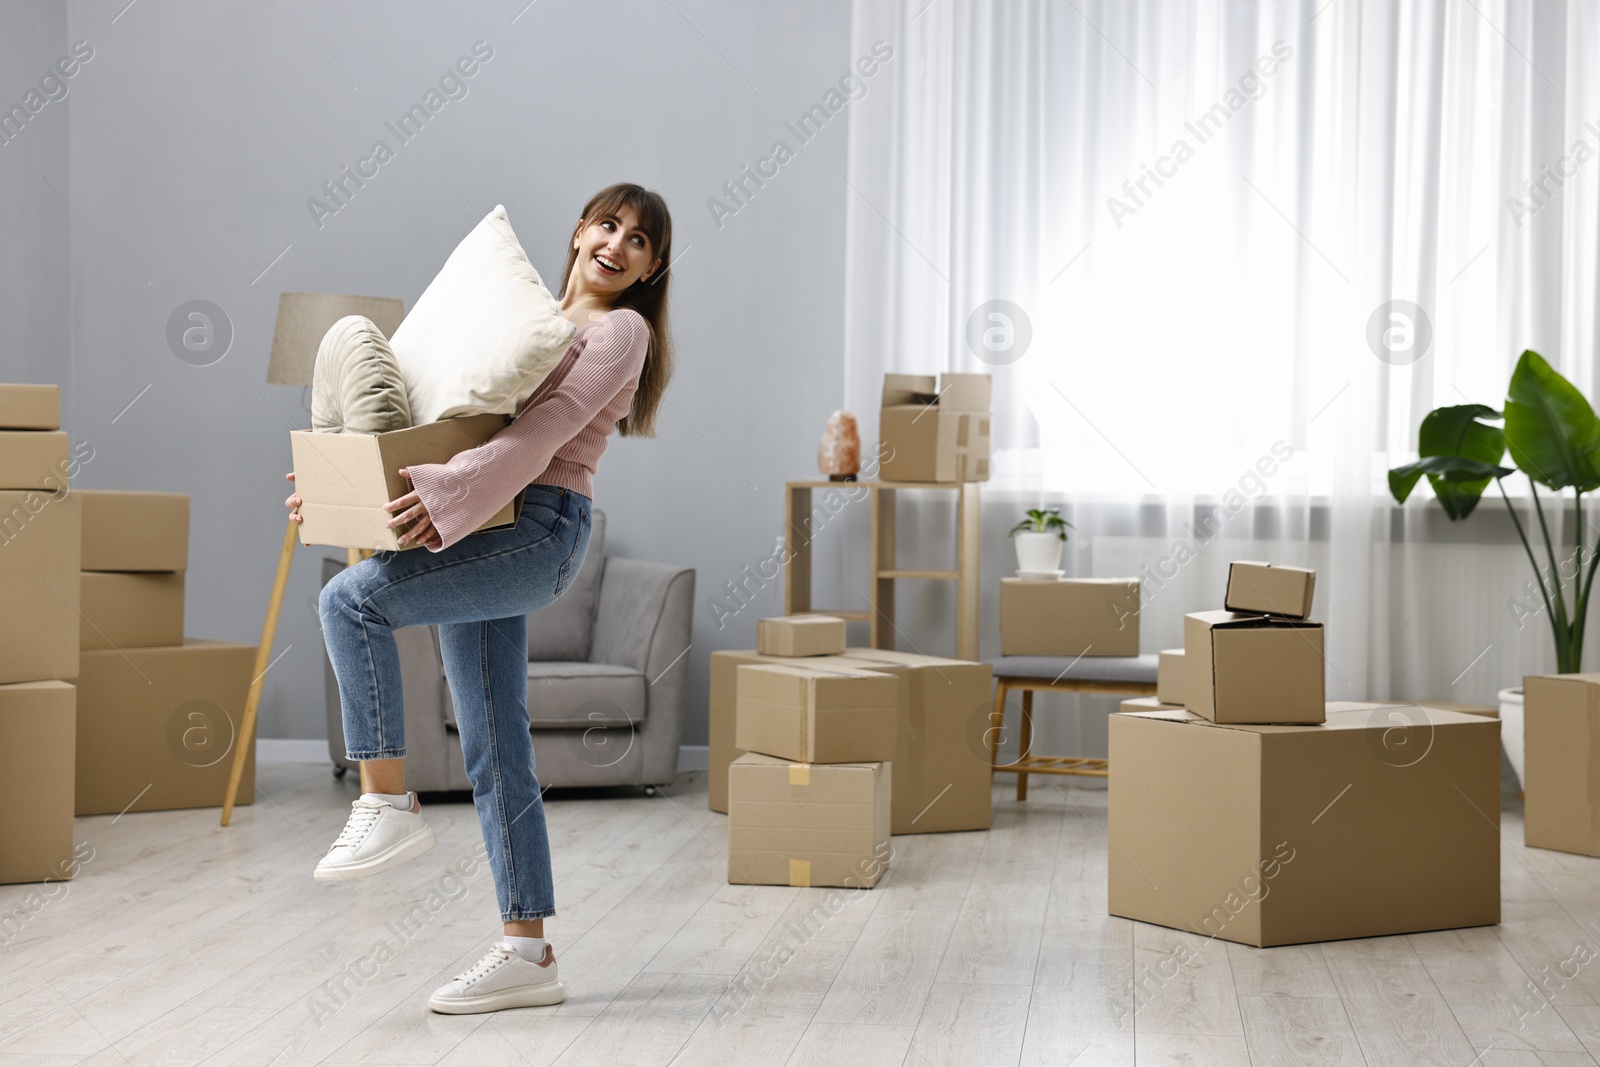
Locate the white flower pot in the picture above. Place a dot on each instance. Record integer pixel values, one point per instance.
(1038, 552)
(1511, 729)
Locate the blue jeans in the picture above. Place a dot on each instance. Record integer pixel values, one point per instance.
(479, 592)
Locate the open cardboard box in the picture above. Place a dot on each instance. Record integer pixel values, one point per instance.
(1242, 668)
(345, 479)
(932, 433)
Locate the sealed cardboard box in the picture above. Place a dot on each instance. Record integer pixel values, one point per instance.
(345, 479)
(1253, 668)
(36, 767)
(122, 610)
(1069, 617)
(30, 407)
(1169, 676)
(157, 726)
(816, 714)
(934, 433)
(39, 552)
(1264, 589)
(1561, 762)
(724, 691)
(1279, 835)
(800, 635)
(135, 531)
(803, 824)
(33, 459)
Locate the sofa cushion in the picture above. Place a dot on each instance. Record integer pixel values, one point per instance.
(563, 695)
(356, 385)
(562, 630)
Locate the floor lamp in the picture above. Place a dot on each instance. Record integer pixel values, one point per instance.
(303, 318)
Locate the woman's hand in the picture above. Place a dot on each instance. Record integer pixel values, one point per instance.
(410, 509)
(293, 503)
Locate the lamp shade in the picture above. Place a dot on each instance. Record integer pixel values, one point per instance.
(304, 317)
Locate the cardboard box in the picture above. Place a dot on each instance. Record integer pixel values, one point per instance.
(1253, 668)
(135, 531)
(942, 779)
(934, 433)
(1069, 617)
(816, 714)
(1170, 676)
(36, 741)
(723, 701)
(30, 407)
(33, 459)
(800, 635)
(130, 610)
(1264, 589)
(157, 726)
(345, 479)
(803, 824)
(40, 540)
(1561, 762)
(1278, 835)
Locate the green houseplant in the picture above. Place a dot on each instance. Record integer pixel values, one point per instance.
(1039, 538)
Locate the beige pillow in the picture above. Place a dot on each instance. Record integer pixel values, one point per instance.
(356, 386)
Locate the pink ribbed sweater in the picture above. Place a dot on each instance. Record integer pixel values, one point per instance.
(557, 437)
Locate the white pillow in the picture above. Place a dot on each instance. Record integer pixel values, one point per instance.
(484, 334)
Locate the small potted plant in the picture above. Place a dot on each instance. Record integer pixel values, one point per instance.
(1039, 539)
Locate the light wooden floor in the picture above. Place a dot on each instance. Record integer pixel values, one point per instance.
(184, 943)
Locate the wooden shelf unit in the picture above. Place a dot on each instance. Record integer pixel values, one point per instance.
(882, 496)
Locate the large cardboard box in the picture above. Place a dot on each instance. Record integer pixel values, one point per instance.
(1561, 762)
(803, 824)
(135, 531)
(1170, 676)
(30, 407)
(345, 479)
(1264, 589)
(942, 778)
(36, 740)
(157, 726)
(130, 610)
(816, 713)
(934, 433)
(1277, 835)
(1069, 617)
(1253, 668)
(800, 635)
(33, 459)
(724, 692)
(40, 540)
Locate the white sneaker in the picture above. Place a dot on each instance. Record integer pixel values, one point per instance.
(377, 837)
(502, 979)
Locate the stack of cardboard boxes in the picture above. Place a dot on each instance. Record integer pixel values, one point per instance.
(934, 432)
(158, 713)
(1258, 813)
(39, 546)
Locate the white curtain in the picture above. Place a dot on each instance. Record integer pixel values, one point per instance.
(1203, 211)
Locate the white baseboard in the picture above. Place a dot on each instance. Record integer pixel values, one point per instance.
(694, 757)
(291, 750)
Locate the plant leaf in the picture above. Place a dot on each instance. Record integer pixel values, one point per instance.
(1551, 428)
(1457, 481)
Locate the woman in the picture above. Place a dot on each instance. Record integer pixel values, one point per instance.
(479, 587)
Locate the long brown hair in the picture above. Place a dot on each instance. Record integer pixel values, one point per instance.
(648, 298)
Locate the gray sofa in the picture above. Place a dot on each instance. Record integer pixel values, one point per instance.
(607, 672)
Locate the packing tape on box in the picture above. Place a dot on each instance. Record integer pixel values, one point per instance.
(800, 873)
(799, 774)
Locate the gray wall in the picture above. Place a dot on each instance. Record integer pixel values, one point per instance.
(198, 132)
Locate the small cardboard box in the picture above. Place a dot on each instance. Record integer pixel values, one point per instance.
(1279, 835)
(934, 433)
(33, 459)
(1169, 676)
(40, 540)
(724, 699)
(1253, 668)
(800, 635)
(36, 741)
(30, 407)
(157, 726)
(135, 531)
(345, 479)
(800, 824)
(1261, 588)
(1561, 762)
(1069, 617)
(130, 610)
(815, 714)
